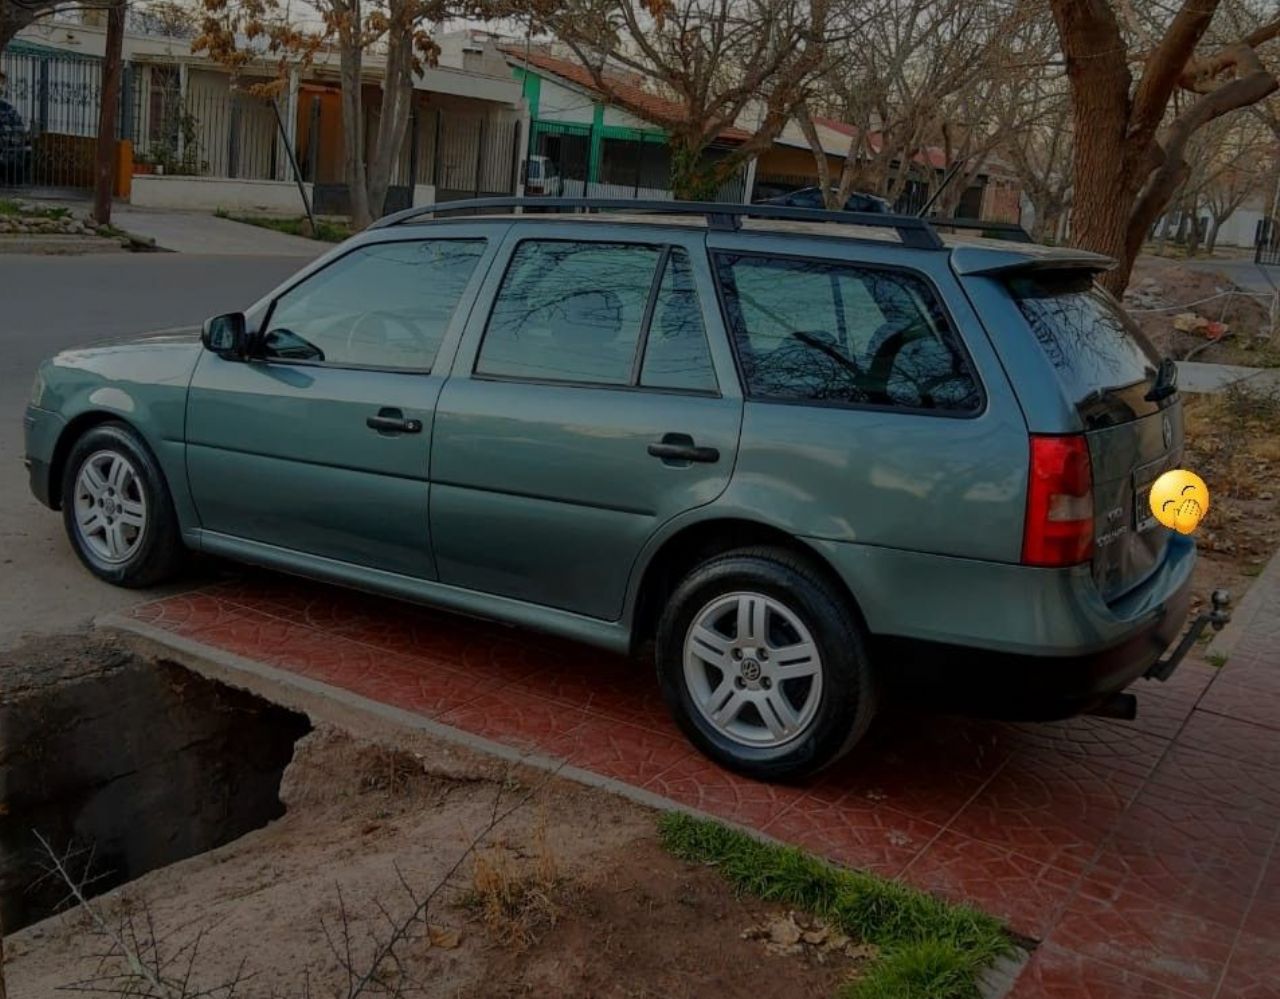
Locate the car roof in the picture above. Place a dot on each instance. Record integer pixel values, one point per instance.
(970, 253)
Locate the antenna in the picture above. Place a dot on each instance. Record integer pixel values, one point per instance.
(946, 181)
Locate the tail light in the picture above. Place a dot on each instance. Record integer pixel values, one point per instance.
(1059, 525)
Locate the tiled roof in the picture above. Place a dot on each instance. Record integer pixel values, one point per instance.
(632, 97)
(935, 155)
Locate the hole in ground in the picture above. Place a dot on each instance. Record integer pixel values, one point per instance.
(124, 765)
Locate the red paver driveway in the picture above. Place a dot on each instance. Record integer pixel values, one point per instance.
(1142, 855)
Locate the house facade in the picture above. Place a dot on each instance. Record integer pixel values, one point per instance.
(194, 137)
(994, 195)
(581, 144)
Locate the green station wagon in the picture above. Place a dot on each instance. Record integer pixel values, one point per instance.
(806, 454)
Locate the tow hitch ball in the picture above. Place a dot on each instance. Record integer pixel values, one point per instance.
(1218, 616)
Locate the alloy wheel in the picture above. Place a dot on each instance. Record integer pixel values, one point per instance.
(110, 506)
(752, 669)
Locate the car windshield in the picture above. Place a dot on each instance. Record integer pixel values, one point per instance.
(535, 170)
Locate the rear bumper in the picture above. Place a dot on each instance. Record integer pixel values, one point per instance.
(1019, 685)
(1042, 640)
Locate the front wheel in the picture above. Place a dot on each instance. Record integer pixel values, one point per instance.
(763, 664)
(117, 510)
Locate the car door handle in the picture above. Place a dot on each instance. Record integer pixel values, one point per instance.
(391, 421)
(680, 447)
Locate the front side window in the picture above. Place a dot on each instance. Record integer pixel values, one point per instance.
(386, 305)
(598, 314)
(819, 331)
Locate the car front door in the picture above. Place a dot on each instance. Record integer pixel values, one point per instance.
(594, 401)
(320, 443)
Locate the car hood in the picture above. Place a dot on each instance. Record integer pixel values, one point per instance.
(164, 358)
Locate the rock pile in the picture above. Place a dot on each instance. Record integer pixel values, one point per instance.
(44, 225)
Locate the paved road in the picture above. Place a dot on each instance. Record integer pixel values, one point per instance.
(48, 303)
(1245, 273)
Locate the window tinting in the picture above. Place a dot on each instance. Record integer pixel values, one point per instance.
(1102, 359)
(826, 332)
(676, 355)
(385, 305)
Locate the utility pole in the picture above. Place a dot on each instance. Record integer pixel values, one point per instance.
(105, 155)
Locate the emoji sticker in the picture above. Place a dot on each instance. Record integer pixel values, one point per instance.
(1179, 499)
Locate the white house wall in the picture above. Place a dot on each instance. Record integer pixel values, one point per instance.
(557, 102)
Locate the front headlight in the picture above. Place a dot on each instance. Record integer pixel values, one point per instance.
(37, 389)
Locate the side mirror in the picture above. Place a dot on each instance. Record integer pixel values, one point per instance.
(224, 335)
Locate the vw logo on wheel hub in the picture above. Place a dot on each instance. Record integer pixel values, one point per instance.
(750, 670)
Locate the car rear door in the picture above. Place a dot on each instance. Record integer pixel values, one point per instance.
(321, 444)
(593, 400)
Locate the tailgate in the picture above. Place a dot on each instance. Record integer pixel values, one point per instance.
(1111, 374)
(1128, 541)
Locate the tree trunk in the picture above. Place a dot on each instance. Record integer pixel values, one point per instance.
(351, 65)
(13, 18)
(1194, 231)
(393, 119)
(109, 105)
(1212, 242)
(1166, 229)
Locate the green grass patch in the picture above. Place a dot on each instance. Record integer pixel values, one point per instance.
(1217, 659)
(14, 209)
(929, 949)
(328, 232)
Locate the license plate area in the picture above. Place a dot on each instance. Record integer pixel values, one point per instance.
(1143, 479)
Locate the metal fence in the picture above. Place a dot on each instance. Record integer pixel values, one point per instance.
(1266, 242)
(48, 118)
(579, 161)
(205, 132)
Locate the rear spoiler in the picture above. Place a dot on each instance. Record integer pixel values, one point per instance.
(967, 260)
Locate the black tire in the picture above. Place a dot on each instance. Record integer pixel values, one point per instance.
(157, 552)
(849, 692)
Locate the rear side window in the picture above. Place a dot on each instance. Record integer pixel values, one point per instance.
(598, 314)
(826, 332)
(1103, 361)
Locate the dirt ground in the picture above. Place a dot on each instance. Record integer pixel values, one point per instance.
(1159, 285)
(1233, 443)
(571, 895)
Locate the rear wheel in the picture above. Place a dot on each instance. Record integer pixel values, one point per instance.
(764, 666)
(117, 509)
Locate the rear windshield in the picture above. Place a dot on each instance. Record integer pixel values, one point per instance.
(1104, 362)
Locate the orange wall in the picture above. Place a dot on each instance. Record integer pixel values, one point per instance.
(789, 161)
(328, 168)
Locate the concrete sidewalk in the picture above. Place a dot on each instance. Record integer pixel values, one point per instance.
(201, 232)
(1194, 376)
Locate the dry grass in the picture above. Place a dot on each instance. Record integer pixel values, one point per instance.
(1233, 443)
(514, 893)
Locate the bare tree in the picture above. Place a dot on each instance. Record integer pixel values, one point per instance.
(1130, 145)
(398, 28)
(724, 64)
(1243, 163)
(18, 14)
(916, 74)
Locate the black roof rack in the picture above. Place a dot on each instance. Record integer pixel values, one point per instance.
(913, 231)
(1010, 231)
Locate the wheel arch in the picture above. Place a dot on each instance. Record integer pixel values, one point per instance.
(76, 428)
(696, 542)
